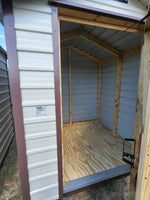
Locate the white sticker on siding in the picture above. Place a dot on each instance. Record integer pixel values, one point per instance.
(40, 111)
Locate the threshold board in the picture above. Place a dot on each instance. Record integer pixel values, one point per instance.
(96, 178)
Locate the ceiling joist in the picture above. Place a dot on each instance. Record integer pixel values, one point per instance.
(69, 35)
(90, 38)
(131, 27)
(100, 43)
(124, 54)
(83, 53)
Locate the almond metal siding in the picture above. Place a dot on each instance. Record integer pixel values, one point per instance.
(6, 119)
(133, 9)
(33, 27)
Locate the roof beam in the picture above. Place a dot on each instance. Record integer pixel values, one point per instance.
(69, 35)
(131, 27)
(90, 38)
(100, 43)
(124, 54)
(83, 53)
(131, 51)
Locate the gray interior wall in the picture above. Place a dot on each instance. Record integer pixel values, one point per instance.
(65, 85)
(84, 87)
(128, 95)
(6, 120)
(108, 92)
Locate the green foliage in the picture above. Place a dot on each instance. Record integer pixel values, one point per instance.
(8, 175)
(110, 187)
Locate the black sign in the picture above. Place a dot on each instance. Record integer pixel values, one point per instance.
(123, 1)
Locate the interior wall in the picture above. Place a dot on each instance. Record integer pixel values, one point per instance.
(108, 92)
(65, 84)
(84, 87)
(128, 95)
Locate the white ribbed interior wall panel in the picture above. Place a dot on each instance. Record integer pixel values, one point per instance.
(36, 68)
(128, 95)
(65, 84)
(108, 92)
(84, 87)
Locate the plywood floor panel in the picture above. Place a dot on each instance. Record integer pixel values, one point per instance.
(90, 148)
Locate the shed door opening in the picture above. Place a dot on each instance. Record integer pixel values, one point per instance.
(99, 90)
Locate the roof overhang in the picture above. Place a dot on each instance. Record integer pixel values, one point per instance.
(1, 13)
(121, 11)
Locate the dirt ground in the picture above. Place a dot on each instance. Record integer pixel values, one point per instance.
(10, 187)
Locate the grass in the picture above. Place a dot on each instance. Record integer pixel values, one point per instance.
(110, 187)
(10, 187)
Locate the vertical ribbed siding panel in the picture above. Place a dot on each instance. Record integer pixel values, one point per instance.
(6, 119)
(65, 85)
(84, 87)
(108, 92)
(35, 58)
(128, 95)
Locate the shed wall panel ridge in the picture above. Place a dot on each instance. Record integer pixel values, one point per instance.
(65, 84)
(6, 119)
(108, 92)
(128, 95)
(33, 27)
(84, 87)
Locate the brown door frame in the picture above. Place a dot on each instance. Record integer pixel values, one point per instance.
(58, 107)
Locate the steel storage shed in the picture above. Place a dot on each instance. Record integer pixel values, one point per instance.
(70, 62)
(6, 119)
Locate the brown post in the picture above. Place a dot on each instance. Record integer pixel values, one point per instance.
(57, 76)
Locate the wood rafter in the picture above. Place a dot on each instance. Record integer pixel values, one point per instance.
(123, 54)
(69, 35)
(90, 38)
(83, 53)
(101, 43)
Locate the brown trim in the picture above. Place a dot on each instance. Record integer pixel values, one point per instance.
(16, 95)
(56, 48)
(77, 6)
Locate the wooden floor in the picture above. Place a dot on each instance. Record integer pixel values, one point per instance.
(89, 148)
